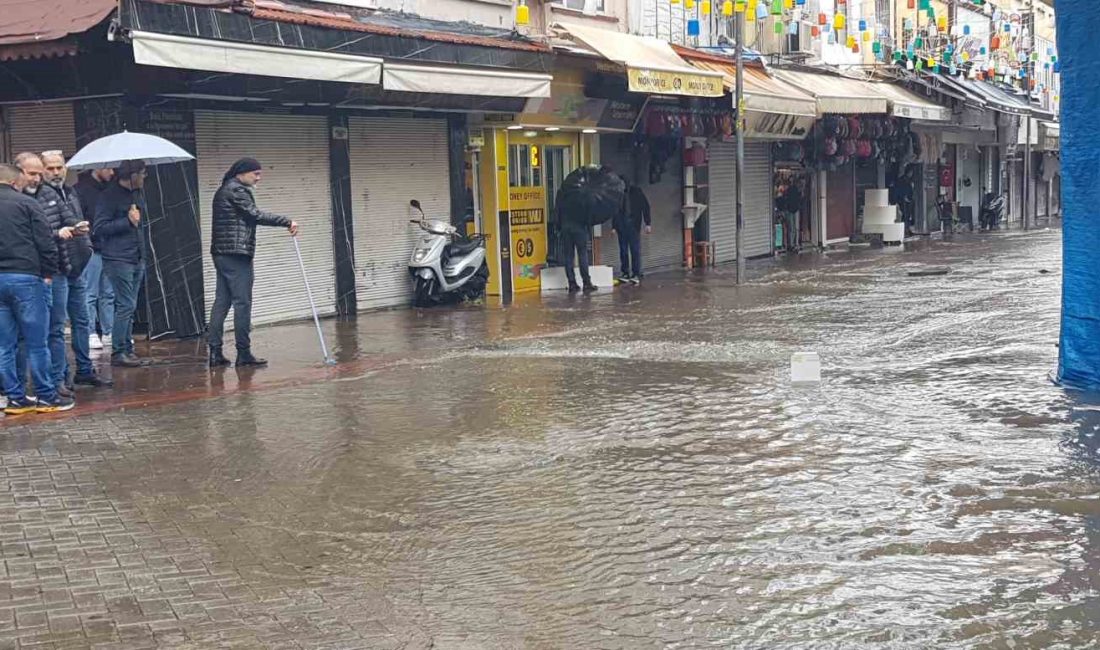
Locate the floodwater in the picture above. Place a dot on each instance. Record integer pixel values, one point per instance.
(636, 471)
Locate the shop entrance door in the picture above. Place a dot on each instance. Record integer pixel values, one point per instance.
(559, 162)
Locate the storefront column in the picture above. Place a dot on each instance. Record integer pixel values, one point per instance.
(343, 226)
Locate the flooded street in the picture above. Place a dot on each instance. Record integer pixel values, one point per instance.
(631, 470)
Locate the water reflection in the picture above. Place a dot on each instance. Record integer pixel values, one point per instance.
(634, 470)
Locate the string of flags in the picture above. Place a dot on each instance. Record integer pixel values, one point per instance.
(1006, 51)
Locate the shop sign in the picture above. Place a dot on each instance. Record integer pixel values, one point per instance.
(527, 222)
(921, 112)
(777, 126)
(621, 114)
(663, 82)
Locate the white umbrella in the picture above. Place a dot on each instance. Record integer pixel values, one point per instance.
(113, 150)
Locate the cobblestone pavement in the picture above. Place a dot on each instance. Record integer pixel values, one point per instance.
(585, 472)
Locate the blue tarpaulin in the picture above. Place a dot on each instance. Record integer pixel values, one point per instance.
(1079, 354)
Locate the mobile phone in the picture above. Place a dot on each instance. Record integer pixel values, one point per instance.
(82, 225)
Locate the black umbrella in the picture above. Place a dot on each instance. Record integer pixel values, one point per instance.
(591, 196)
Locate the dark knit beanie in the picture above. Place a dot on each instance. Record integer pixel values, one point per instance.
(242, 166)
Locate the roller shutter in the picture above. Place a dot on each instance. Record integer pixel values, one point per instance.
(757, 200)
(41, 127)
(393, 160)
(293, 150)
(663, 249)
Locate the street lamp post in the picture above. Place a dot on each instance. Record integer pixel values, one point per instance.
(739, 101)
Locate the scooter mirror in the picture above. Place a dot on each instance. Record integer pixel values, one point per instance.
(416, 206)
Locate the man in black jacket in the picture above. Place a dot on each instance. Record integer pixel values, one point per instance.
(28, 259)
(233, 245)
(62, 222)
(101, 297)
(117, 231)
(628, 228)
(78, 252)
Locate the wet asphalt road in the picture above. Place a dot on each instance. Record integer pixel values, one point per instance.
(626, 471)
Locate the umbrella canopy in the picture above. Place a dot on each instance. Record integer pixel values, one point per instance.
(591, 196)
(111, 151)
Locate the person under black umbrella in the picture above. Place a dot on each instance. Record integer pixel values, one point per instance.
(588, 196)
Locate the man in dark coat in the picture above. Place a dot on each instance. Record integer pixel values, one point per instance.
(117, 230)
(28, 260)
(233, 246)
(78, 252)
(63, 226)
(628, 228)
(101, 296)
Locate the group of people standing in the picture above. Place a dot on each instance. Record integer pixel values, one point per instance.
(69, 255)
(75, 255)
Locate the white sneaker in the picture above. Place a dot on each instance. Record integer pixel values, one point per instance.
(95, 343)
(106, 341)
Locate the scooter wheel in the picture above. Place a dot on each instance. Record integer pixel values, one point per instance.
(422, 296)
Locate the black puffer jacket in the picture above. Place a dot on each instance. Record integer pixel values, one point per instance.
(235, 219)
(59, 214)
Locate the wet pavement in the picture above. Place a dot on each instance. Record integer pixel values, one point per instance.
(631, 470)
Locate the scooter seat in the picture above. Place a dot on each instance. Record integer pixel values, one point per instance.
(463, 247)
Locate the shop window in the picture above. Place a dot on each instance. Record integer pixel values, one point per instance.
(582, 5)
(524, 165)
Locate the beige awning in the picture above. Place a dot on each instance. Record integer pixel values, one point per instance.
(904, 103)
(762, 92)
(651, 64)
(170, 51)
(835, 94)
(461, 80)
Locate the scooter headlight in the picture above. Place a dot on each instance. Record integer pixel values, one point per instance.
(419, 255)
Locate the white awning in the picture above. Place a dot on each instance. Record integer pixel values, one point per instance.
(458, 80)
(652, 65)
(168, 51)
(907, 104)
(836, 94)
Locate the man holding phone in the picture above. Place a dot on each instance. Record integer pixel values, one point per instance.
(79, 252)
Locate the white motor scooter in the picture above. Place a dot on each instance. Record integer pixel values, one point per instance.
(446, 265)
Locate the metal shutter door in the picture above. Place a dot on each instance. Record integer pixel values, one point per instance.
(758, 197)
(294, 152)
(616, 153)
(392, 162)
(664, 248)
(723, 201)
(41, 127)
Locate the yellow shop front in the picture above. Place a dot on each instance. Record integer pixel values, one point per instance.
(522, 159)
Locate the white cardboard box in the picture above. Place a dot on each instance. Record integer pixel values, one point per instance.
(553, 278)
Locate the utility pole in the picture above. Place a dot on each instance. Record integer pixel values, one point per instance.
(738, 101)
(1027, 116)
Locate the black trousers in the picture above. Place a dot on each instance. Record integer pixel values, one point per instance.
(576, 248)
(234, 289)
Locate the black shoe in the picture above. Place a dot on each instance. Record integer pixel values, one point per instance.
(21, 406)
(245, 358)
(57, 404)
(93, 380)
(590, 288)
(126, 360)
(217, 359)
(574, 288)
(636, 279)
(65, 391)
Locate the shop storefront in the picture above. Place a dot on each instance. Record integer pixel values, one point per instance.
(681, 112)
(293, 163)
(393, 160)
(775, 111)
(852, 127)
(521, 160)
